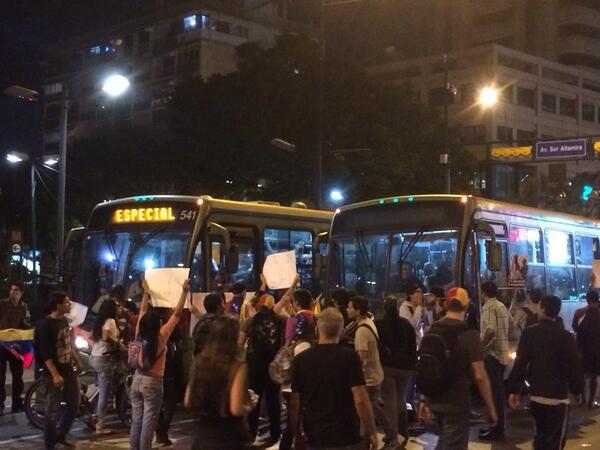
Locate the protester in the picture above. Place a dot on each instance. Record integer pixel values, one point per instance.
(547, 358)
(341, 298)
(234, 306)
(398, 337)
(301, 302)
(147, 386)
(53, 344)
(104, 358)
(437, 296)
(264, 334)
(366, 344)
(217, 392)
(588, 339)
(449, 399)
(412, 309)
(534, 297)
(521, 316)
(126, 313)
(404, 280)
(213, 304)
(329, 398)
(494, 337)
(13, 314)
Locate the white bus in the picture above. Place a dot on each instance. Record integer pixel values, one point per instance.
(459, 240)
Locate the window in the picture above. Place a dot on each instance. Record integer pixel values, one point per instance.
(245, 239)
(526, 97)
(190, 23)
(526, 135)
(167, 66)
(587, 249)
(588, 112)
(549, 103)
(559, 76)
(222, 27)
(561, 271)
(506, 95)
(500, 277)
(95, 50)
(196, 272)
(187, 62)
(504, 134)
(241, 31)
(280, 240)
(472, 134)
(527, 242)
(567, 107)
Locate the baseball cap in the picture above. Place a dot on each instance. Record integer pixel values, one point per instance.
(459, 294)
(267, 301)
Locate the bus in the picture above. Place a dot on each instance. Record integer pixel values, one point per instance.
(222, 242)
(462, 240)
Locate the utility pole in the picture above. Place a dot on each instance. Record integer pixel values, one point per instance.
(320, 107)
(62, 181)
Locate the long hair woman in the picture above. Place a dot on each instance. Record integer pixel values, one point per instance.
(218, 393)
(105, 335)
(147, 386)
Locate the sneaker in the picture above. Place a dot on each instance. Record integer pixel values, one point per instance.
(17, 406)
(63, 441)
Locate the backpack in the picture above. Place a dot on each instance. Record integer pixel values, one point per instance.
(438, 364)
(138, 356)
(384, 350)
(280, 369)
(201, 330)
(265, 338)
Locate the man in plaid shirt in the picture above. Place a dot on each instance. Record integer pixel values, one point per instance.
(494, 337)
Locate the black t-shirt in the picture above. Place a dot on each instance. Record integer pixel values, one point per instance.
(52, 340)
(456, 398)
(324, 375)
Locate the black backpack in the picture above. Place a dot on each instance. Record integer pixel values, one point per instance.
(439, 364)
(201, 330)
(384, 351)
(265, 338)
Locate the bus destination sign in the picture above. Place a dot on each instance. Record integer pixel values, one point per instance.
(152, 214)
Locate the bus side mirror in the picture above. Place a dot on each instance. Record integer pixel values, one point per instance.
(493, 256)
(318, 243)
(233, 259)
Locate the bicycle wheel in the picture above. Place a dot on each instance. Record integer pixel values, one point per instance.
(35, 403)
(89, 397)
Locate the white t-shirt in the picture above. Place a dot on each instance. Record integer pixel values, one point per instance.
(112, 331)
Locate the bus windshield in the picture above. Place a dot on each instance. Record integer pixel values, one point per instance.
(121, 257)
(379, 264)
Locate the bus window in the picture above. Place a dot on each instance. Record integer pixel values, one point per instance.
(280, 240)
(560, 270)
(586, 250)
(500, 277)
(244, 238)
(196, 273)
(528, 241)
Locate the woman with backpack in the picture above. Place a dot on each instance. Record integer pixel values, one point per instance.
(150, 353)
(104, 357)
(218, 392)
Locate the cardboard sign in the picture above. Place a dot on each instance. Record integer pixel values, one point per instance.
(280, 269)
(166, 285)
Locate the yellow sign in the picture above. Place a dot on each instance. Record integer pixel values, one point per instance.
(130, 215)
(511, 152)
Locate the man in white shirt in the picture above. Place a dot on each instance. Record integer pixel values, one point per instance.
(412, 309)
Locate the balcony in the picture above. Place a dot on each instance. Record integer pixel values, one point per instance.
(579, 15)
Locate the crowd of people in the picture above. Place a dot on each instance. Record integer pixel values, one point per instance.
(340, 374)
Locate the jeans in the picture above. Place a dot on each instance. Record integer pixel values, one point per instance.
(170, 397)
(454, 431)
(393, 391)
(70, 396)
(495, 372)
(262, 384)
(550, 426)
(380, 416)
(146, 399)
(16, 369)
(105, 369)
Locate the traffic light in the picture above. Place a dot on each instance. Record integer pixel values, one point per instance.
(586, 192)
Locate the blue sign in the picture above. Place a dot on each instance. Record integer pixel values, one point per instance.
(561, 149)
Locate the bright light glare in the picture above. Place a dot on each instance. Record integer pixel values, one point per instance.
(81, 343)
(149, 263)
(12, 158)
(336, 195)
(50, 162)
(115, 85)
(108, 257)
(488, 96)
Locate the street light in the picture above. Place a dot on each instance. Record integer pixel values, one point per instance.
(115, 85)
(336, 195)
(15, 157)
(488, 96)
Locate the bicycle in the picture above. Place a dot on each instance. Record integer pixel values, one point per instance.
(35, 398)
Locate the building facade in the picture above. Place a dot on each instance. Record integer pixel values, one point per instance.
(538, 99)
(155, 52)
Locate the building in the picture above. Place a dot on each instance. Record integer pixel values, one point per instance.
(565, 31)
(155, 51)
(538, 100)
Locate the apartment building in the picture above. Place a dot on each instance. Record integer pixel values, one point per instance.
(155, 51)
(538, 99)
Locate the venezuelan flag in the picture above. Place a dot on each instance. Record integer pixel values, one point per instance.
(19, 343)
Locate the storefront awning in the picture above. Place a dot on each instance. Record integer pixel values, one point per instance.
(512, 152)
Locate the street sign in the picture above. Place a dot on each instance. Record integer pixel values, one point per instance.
(575, 148)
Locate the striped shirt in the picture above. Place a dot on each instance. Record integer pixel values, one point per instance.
(494, 316)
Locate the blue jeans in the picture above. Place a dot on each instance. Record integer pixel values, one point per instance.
(146, 400)
(70, 395)
(105, 370)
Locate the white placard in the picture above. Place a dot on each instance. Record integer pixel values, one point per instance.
(280, 269)
(77, 314)
(596, 272)
(166, 285)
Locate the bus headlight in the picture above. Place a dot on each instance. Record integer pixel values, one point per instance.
(81, 343)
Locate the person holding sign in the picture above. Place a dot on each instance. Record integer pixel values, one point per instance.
(147, 388)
